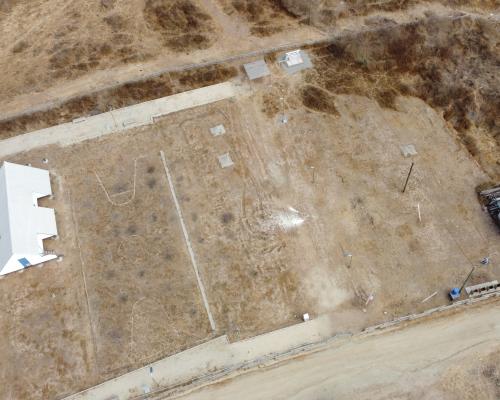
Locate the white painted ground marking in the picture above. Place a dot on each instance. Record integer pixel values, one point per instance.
(429, 297)
(188, 242)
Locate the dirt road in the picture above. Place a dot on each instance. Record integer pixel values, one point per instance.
(452, 357)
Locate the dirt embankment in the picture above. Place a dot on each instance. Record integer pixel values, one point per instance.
(453, 65)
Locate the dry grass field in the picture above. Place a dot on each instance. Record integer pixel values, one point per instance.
(270, 234)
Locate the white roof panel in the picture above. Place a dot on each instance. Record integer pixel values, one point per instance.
(293, 58)
(24, 225)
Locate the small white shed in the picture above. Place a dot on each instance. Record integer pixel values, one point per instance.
(23, 224)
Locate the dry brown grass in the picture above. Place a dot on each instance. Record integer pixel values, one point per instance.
(270, 104)
(183, 25)
(449, 64)
(318, 99)
(328, 12)
(64, 40)
(199, 77)
(266, 17)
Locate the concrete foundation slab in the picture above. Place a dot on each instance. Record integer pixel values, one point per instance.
(257, 69)
(218, 130)
(225, 161)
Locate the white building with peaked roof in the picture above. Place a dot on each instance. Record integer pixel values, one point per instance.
(293, 58)
(23, 224)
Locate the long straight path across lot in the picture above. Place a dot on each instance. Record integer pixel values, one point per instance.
(384, 366)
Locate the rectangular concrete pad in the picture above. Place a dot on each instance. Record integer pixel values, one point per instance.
(257, 69)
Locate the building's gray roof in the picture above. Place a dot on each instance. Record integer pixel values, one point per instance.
(256, 69)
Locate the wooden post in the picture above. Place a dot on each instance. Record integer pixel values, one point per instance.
(408, 177)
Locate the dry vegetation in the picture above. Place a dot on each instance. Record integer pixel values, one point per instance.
(453, 65)
(327, 13)
(318, 99)
(182, 24)
(265, 17)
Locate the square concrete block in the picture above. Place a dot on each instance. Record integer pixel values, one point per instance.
(218, 130)
(225, 161)
(408, 150)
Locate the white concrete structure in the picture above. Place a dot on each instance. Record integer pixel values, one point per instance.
(295, 61)
(293, 58)
(225, 161)
(218, 130)
(24, 225)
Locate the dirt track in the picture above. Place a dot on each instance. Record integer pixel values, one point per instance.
(404, 364)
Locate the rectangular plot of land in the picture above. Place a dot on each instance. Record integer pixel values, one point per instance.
(142, 292)
(143, 296)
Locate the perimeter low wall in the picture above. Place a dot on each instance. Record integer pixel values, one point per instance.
(117, 120)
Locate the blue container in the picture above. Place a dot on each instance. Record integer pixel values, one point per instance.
(454, 293)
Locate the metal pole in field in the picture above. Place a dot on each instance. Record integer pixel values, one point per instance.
(408, 177)
(467, 279)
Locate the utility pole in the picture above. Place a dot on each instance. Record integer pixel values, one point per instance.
(408, 177)
(456, 292)
(467, 279)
